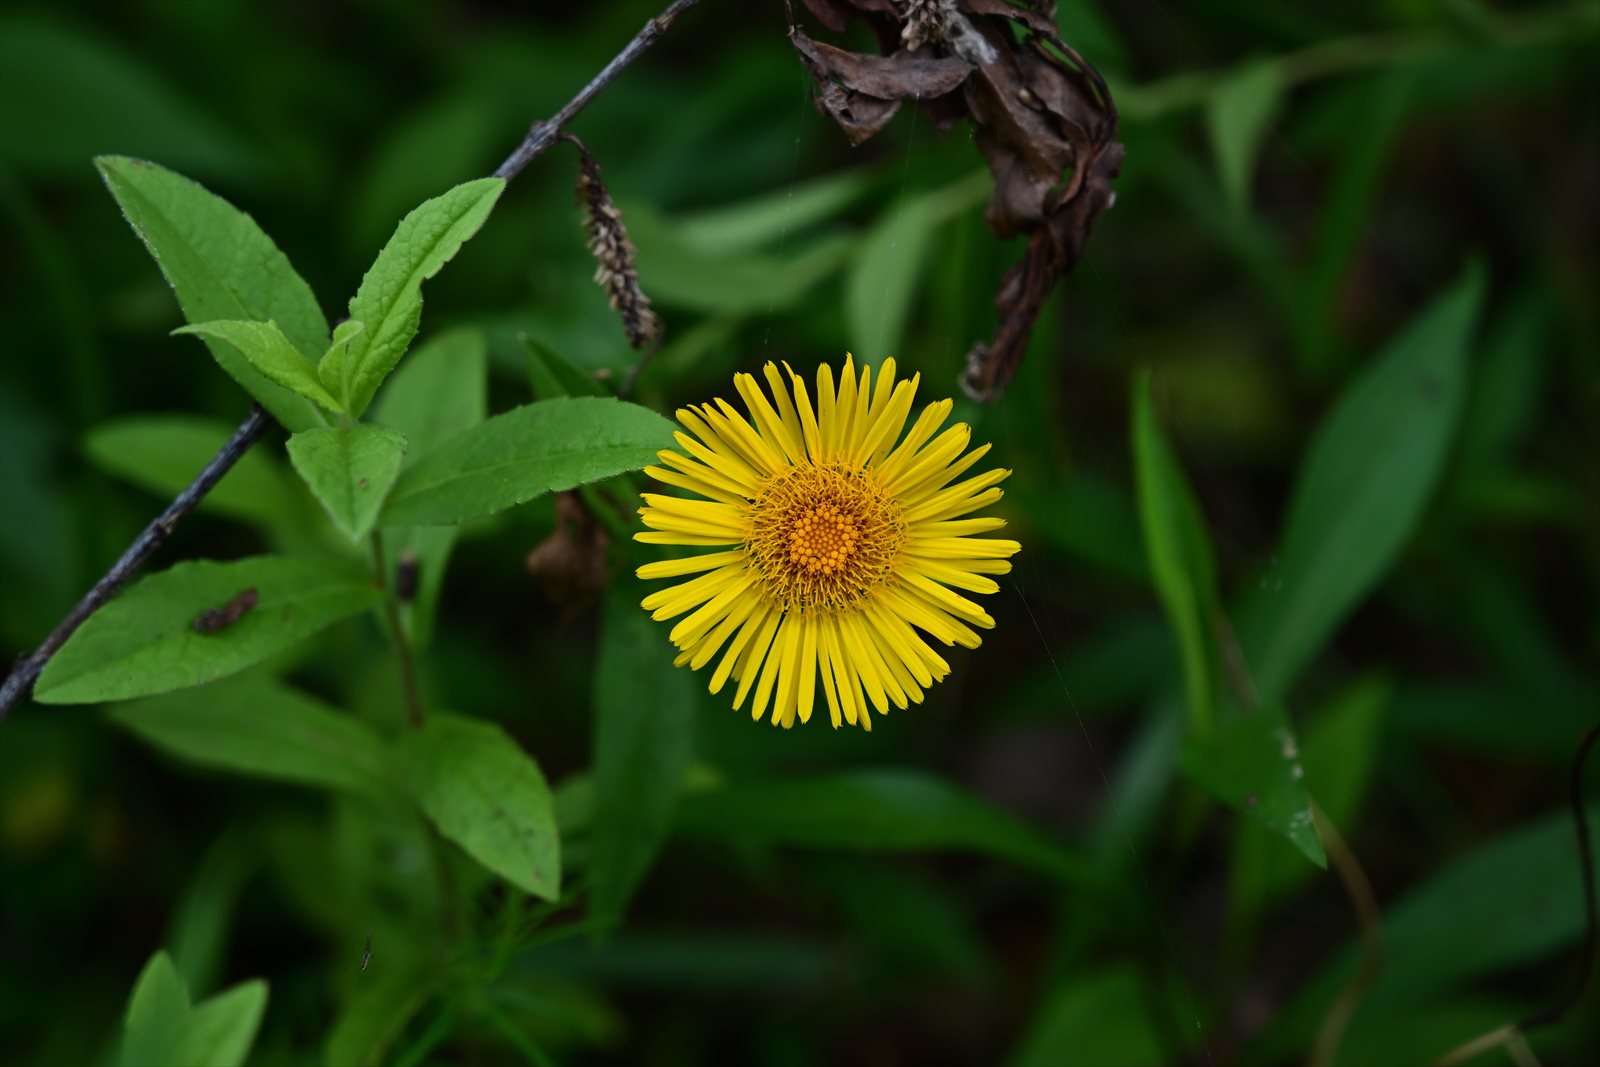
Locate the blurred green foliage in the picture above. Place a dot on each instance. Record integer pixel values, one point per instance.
(1340, 546)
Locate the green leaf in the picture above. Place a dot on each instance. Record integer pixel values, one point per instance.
(1488, 715)
(1557, 697)
(882, 282)
(573, 803)
(1237, 116)
(162, 1030)
(1138, 787)
(259, 727)
(1378, 108)
(771, 217)
(439, 392)
(1100, 1019)
(911, 924)
(269, 351)
(41, 568)
(887, 810)
(1427, 1031)
(350, 470)
(531, 450)
(202, 919)
(487, 795)
(343, 334)
(1179, 553)
(67, 92)
(389, 301)
(222, 267)
(643, 736)
(163, 453)
(707, 962)
(1508, 380)
(1085, 515)
(1367, 476)
(145, 642)
(1340, 747)
(676, 274)
(377, 1012)
(1252, 764)
(157, 1011)
(553, 376)
(424, 149)
(221, 1030)
(1509, 903)
(1342, 744)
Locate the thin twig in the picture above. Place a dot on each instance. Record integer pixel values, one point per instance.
(1359, 890)
(1521, 1052)
(540, 137)
(402, 640)
(638, 369)
(1244, 687)
(144, 546)
(1500, 1035)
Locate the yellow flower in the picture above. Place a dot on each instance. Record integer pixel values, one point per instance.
(840, 540)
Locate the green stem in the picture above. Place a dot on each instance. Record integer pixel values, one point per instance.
(402, 640)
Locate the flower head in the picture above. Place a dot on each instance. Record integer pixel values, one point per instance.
(840, 543)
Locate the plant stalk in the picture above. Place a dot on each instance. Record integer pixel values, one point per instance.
(402, 640)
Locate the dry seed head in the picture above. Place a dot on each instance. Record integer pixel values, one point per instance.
(613, 252)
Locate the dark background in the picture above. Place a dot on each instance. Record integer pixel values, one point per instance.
(1412, 138)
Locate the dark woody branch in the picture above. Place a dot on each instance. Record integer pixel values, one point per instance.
(539, 138)
(144, 546)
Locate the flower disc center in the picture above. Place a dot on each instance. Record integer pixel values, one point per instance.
(822, 537)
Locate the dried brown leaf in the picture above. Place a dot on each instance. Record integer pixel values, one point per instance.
(1039, 21)
(862, 93)
(1044, 119)
(570, 564)
(834, 14)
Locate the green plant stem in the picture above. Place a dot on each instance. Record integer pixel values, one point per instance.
(1348, 54)
(530, 1049)
(1233, 663)
(402, 640)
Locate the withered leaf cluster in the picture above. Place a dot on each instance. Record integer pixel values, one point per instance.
(1045, 123)
(570, 563)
